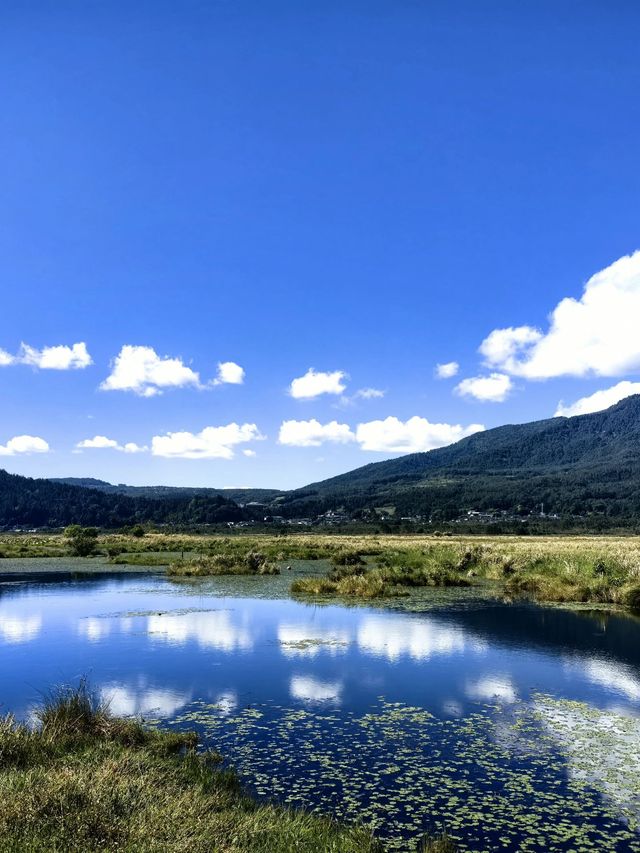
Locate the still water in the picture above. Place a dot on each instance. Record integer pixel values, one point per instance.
(514, 727)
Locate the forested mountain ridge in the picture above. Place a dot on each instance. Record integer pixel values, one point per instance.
(583, 465)
(27, 502)
(588, 463)
(239, 495)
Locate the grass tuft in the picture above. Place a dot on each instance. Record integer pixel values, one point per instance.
(85, 780)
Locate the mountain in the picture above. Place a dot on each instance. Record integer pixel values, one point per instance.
(574, 466)
(26, 502)
(238, 495)
(586, 465)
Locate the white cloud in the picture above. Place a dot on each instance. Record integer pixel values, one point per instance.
(312, 433)
(447, 370)
(101, 442)
(368, 394)
(229, 373)
(502, 346)
(60, 357)
(413, 436)
(132, 447)
(314, 383)
(75, 357)
(24, 444)
(599, 401)
(250, 453)
(141, 370)
(594, 335)
(494, 388)
(211, 443)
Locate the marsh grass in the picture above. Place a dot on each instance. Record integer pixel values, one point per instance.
(82, 780)
(597, 569)
(366, 586)
(252, 563)
(441, 843)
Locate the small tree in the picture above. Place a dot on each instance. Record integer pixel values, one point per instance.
(82, 540)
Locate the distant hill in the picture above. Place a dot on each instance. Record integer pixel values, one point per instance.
(582, 466)
(26, 502)
(239, 495)
(573, 466)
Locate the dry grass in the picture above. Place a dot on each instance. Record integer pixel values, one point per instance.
(86, 781)
(603, 569)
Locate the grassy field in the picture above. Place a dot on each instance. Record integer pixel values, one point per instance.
(596, 569)
(81, 779)
(84, 780)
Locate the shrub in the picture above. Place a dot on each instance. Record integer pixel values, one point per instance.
(82, 540)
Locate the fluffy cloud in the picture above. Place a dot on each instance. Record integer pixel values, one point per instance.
(61, 357)
(24, 444)
(141, 370)
(599, 401)
(595, 335)
(75, 357)
(387, 436)
(101, 442)
(312, 433)
(368, 394)
(211, 443)
(413, 436)
(447, 370)
(502, 346)
(229, 373)
(494, 388)
(314, 383)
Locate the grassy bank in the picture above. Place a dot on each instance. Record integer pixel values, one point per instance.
(596, 569)
(84, 780)
(251, 563)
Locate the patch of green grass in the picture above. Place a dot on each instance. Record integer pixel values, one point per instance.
(253, 563)
(84, 780)
(365, 586)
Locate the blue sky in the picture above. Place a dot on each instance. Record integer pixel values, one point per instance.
(368, 189)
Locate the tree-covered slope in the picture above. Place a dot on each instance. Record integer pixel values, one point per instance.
(588, 463)
(239, 495)
(574, 466)
(26, 502)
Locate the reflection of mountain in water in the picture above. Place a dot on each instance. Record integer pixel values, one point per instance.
(557, 630)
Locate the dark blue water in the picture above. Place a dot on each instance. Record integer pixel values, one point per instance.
(514, 726)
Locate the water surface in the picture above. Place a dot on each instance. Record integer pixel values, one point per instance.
(514, 726)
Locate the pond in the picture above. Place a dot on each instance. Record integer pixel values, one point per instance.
(514, 727)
